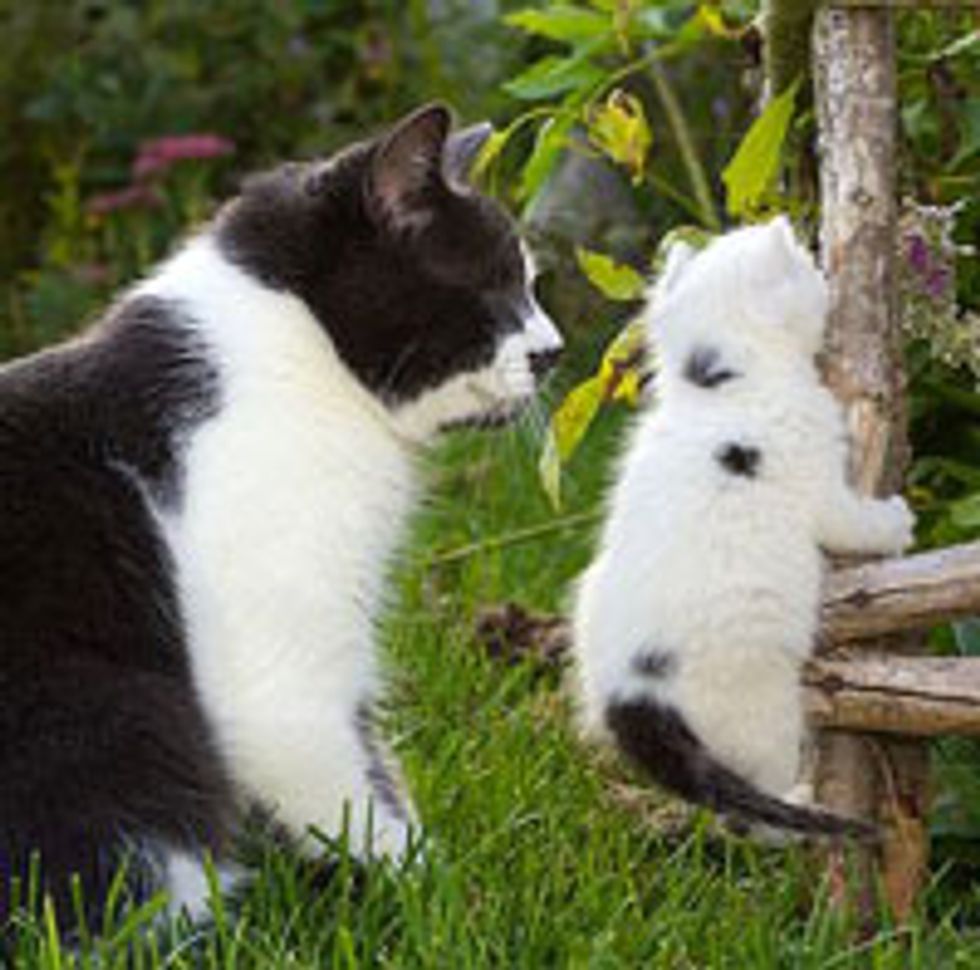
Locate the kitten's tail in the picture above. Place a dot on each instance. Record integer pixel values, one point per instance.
(658, 738)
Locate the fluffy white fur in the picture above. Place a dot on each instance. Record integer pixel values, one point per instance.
(717, 571)
(295, 497)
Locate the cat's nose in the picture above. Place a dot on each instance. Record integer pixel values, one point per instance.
(542, 361)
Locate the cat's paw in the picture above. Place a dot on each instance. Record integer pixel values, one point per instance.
(897, 525)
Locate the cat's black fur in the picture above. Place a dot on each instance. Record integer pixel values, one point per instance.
(706, 368)
(346, 270)
(658, 739)
(104, 747)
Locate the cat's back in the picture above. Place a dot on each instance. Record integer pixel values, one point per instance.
(710, 524)
(89, 440)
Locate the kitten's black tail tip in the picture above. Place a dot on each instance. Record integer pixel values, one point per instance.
(657, 737)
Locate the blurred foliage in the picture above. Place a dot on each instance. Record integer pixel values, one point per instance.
(83, 83)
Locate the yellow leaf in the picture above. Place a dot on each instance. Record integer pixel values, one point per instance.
(574, 415)
(623, 362)
(568, 426)
(618, 128)
(628, 388)
(616, 281)
(712, 19)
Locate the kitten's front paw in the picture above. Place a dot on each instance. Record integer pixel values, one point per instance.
(898, 525)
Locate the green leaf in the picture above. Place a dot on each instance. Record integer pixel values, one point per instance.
(967, 636)
(969, 132)
(552, 139)
(554, 75)
(568, 426)
(755, 164)
(571, 24)
(549, 470)
(965, 514)
(490, 152)
(616, 281)
(619, 128)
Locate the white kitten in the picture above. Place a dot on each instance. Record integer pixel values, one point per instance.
(693, 621)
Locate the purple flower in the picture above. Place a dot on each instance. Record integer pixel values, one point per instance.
(917, 252)
(937, 281)
(131, 197)
(159, 154)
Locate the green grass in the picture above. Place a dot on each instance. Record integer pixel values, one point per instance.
(534, 857)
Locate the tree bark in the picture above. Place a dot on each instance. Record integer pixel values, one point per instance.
(854, 75)
(894, 596)
(886, 693)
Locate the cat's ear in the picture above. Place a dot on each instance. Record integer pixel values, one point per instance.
(796, 291)
(785, 254)
(678, 256)
(462, 150)
(406, 168)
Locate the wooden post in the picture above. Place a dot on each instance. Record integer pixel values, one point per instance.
(854, 75)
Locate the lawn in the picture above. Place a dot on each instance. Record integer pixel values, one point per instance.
(539, 853)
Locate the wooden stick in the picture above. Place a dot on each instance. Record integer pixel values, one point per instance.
(894, 596)
(861, 603)
(856, 105)
(894, 694)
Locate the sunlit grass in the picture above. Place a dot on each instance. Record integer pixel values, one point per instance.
(532, 856)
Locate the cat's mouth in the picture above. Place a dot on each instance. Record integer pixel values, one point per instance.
(499, 415)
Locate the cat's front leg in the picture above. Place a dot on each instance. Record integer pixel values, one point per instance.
(321, 773)
(861, 525)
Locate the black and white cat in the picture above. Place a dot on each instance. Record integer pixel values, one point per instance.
(693, 621)
(199, 496)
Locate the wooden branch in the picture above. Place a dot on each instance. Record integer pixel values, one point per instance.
(861, 603)
(886, 693)
(895, 596)
(854, 94)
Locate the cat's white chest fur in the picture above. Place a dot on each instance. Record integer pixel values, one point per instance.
(294, 497)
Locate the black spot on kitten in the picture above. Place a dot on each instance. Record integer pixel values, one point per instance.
(414, 279)
(705, 368)
(741, 460)
(384, 785)
(655, 664)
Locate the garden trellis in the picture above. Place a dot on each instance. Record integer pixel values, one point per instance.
(873, 693)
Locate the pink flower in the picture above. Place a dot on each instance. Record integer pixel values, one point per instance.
(159, 154)
(131, 197)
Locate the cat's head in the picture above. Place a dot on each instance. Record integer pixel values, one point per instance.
(753, 295)
(422, 283)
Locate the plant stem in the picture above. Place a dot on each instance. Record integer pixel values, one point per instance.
(515, 538)
(685, 144)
